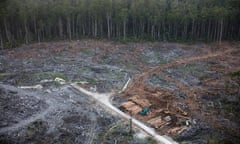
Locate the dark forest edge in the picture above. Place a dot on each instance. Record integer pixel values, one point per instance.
(28, 21)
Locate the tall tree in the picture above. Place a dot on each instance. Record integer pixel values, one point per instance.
(25, 21)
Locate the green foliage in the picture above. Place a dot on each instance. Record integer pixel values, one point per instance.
(130, 20)
(150, 140)
(231, 107)
(236, 74)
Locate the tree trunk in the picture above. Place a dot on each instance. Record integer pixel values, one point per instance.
(209, 30)
(169, 31)
(108, 26)
(203, 31)
(95, 28)
(43, 34)
(176, 31)
(26, 32)
(118, 30)
(1, 40)
(60, 27)
(83, 30)
(133, 26)
(185, 31)
(77, 27)
(69, 28)
(152, 31)
(238, 32)
(158, 34)
(215, 31)
(164, 31)
(193, 26)
(198, 29)
(8, 35)
(73, 27)
(101, 30)
(143, 28)
(111, 27)
(35, 26)
(221, 31)
(38, 36)
(124, 30)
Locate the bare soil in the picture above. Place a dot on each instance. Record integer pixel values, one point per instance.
(193, 91)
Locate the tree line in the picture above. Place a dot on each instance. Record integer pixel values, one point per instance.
(25, 21)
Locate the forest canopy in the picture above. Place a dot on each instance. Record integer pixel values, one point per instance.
(25, 21)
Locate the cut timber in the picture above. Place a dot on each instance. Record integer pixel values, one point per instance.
(159, 110)
(182, 111)
(158, 93)
(127, 105)
(134, 109)
(163, 125)
(177, 130)
(140, 102)
(155, 120)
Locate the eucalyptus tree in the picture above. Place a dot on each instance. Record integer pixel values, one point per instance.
(25, 21)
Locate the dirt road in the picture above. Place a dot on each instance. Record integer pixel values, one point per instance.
(105, 99)
(139, 79)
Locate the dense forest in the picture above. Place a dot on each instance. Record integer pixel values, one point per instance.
(25, 21)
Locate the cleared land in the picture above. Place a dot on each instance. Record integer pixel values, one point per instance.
(190, 90)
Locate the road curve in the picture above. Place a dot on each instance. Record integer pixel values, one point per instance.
(105, 100)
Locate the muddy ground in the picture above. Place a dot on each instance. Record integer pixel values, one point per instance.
(57, 113)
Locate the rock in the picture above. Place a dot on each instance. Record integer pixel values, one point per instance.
(60, 80)
(48, 91)
(210, 104)
(188, 122)
(194, 121)
(45, 81)
(167, 118)
(94, 89)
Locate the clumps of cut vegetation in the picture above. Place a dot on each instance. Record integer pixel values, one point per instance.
(3, 75)
(213, 140)
(150, 140)
(94, 81)
(231, 106)
(236, 74)
(49, 75)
